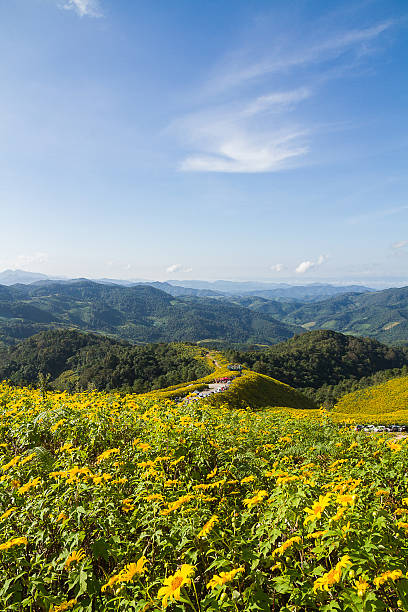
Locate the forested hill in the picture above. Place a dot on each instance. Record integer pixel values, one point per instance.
(382, 315)
(318, 359)
(137, 314)
(76, 360)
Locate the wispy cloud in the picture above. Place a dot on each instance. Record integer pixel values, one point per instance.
(243, 152)
(260, 133)
(282, 58)
(400, 245)
(90, 8)
(231, 139)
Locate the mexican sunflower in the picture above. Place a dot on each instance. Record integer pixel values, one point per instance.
(173, 584)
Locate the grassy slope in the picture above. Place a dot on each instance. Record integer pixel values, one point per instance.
(249, 388)
(385, 403)
(258, 390)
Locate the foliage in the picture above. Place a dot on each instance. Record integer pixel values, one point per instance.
(75, 360)
(115, 503)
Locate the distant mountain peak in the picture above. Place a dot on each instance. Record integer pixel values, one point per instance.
(12, 277)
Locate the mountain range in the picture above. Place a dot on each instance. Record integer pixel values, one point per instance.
(138, 314)
(167, 313)
(279, 291)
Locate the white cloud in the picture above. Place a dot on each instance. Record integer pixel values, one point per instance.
(178, 268)
(232, 139)
(22, 261)
(245, 155)
(304, 266)
(91, 8)
(174, 268)
(400, 245)
(277, 267)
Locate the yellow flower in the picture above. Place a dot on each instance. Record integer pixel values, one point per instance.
(173, 584)
(143, 446)
(248, 479)
(361, 586)
(75, 556)
(400, 525)
(224, 577)
(10, 463)
(317, 534)
(176, 504)
(384, 577)
(13, 542)
(127, 574)
(31, 483)
(346, 500)
(318, 507)
(111, 582)
(7, 513)
(346, 528)
(208, 526)
(154, 497)
(62, 517)
(332, 577)
(65, 605)
(134, 568)
(256, 499)
(56, 425)
(287, 544)
(213, 473)
(338, 514)
(26, 459)
(127, 505)
(106, 454)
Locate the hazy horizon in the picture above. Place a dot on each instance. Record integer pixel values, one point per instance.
(370, 282)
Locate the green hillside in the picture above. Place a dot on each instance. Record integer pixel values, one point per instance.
(322, 357)
(385, 403)
(76, 360)
(382, 315)
(256, 390)
(137, 314)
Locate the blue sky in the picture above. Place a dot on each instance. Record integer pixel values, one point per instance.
(205, 139)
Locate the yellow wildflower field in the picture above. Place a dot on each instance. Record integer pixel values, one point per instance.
(114, 503)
